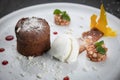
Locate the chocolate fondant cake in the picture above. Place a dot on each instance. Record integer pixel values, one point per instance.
(33, 36)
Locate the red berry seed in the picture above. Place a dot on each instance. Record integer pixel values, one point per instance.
(55, 33)
(2, 49)
(9, 37)
(66, 78)
(5, 62)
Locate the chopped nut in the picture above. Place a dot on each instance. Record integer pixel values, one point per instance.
(19, 57)
(91, 52)
(30, 58)
(94, 55)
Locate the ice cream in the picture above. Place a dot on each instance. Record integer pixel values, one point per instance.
(74, 50)
(65, 48)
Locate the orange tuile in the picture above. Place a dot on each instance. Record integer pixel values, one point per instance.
(93, 20)
(101, 24)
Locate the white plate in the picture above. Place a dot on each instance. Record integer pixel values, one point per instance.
(20, 68)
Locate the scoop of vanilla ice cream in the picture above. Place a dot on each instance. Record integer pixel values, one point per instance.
(74, 50)
(61, 48)
(65, 48)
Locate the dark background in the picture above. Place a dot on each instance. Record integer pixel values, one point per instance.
(8, 6)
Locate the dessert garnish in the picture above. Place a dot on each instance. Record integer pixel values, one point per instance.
(55, 33)
(5, 62)
(99, 47)
(9, 37)
(61, 17)
(66, 78)
(96, 52)
(2, 49)
(102, 24)
(89, 37)
(92, 36)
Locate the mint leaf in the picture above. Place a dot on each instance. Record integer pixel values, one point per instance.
(101, 50)
(57, 11)
(65, 16)
(99, 43)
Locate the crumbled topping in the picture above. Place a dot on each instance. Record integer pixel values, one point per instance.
(19, 57)
(39, 76)
(30, 58)
(22, 74)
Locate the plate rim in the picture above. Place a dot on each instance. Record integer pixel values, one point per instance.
(53, 4)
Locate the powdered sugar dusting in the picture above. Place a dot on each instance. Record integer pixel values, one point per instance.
(18, 29)
(32, 24)
(45, 65)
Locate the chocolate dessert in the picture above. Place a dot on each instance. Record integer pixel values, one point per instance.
(33, 36)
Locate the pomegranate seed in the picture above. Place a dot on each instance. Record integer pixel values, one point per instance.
(5, 62)
(9, 37)
(55, 33)
(2, 49)
(66, 78)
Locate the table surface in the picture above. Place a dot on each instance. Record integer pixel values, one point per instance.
(8, 6)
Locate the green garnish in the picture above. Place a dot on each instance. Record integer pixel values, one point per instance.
(57, 11)
(99, 43)
(99, 47)
(63, 14)
(101, 50)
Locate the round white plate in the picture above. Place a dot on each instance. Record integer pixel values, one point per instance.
(46, 68)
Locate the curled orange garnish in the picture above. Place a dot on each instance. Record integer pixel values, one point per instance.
(102, 24)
